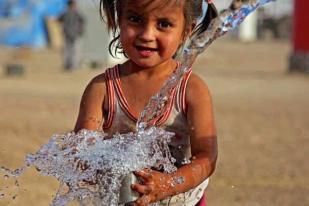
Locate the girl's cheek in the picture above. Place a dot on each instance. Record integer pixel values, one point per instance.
(127, 33)
(172, 45)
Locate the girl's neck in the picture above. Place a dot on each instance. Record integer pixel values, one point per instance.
(164, 69)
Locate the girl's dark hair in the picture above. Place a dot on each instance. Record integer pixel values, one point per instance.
(110, 11)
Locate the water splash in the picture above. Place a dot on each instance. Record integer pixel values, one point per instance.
(90, 165)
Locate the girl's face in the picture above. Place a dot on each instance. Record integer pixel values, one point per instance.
(151, 31)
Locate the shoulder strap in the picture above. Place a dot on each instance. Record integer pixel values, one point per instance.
(181, 93)
(110, 97)
(161, 120)
(120, 96)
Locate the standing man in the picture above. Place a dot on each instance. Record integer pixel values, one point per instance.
(73, 28)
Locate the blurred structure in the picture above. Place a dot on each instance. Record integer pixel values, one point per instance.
(299, 60)
(274, 20)
(22, 22)
(33, 24)
(248, 29)
(96, 38)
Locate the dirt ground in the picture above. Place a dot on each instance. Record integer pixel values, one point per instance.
(261, 115)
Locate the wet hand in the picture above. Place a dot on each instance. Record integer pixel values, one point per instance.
(153, 186)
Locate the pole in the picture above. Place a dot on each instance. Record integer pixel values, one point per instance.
(299, 59)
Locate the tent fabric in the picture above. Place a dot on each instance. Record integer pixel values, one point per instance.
(22, 21)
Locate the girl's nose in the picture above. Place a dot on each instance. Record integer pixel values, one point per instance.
(147, 33)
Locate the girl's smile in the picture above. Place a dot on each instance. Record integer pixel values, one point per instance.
(145, 51)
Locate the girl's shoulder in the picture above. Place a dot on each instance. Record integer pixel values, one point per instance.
(102, 77)
(97, 81)
(196, 88)
(96, 87)
(196, 82)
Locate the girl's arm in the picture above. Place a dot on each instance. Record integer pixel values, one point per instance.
(203, 135)
(204, 150)
(91, 106)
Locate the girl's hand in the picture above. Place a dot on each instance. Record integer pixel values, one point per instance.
(154, 186)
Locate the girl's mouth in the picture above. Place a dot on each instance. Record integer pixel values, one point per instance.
(146, 51)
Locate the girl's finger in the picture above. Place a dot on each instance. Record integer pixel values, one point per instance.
(142, 189)
(142, 201)
(145, 174)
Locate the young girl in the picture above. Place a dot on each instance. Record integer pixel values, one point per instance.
(149, 33)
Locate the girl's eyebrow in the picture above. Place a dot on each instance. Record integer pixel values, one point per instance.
(133, 12)
(167, 18)
(130, 11)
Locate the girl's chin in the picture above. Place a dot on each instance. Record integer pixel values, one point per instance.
(145, 63)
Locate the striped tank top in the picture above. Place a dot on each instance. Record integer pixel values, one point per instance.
(120, 119)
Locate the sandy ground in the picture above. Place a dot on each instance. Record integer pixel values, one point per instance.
(261, 113)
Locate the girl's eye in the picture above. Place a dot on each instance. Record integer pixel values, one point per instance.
(164, 24)
(135, 19)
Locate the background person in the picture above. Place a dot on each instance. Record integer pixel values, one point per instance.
(72, 23)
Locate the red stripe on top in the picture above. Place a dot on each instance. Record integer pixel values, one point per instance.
(182, 92)
(123, 102)
(166, 114)
(111, 99)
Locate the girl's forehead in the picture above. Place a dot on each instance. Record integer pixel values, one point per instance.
(152, 5)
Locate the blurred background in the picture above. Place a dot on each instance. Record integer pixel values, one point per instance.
(257, 74)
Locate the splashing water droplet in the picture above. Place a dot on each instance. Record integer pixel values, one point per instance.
(92, 165)
(178, 180)
(186, 161)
